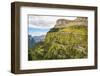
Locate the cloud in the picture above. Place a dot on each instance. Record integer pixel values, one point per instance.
(40, 25)
(45, 22)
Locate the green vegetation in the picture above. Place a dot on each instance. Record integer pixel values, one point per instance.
(62, 43)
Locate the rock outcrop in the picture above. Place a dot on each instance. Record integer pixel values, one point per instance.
(65, 23)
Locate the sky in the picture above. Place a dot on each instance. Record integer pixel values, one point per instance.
(39, 25)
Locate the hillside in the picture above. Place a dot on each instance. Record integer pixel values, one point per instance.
(67, 42)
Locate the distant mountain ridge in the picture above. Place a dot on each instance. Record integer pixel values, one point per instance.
(32, 40)
(39, 38)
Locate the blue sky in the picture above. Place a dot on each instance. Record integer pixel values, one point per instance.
(40, 25)
(37, 31)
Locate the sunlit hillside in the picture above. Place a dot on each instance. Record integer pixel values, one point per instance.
(67, 42)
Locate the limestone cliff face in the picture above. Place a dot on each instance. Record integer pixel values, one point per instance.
(65, 23)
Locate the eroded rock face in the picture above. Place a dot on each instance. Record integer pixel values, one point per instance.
(78, 21)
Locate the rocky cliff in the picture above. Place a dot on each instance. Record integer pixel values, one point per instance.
(79, 21)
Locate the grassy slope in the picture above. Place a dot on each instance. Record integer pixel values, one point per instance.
(62, 43)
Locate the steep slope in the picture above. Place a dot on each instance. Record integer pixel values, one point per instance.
(70, 42)
(67, 42)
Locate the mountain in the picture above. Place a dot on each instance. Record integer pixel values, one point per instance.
(66, 40)
(31, 41)
(79, 21)
(39, 38)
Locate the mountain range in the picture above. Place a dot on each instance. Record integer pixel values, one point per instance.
(32, 40)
